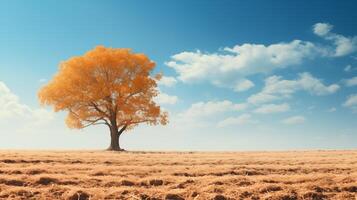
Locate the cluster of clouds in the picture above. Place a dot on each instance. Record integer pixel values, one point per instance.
(231, 67)
(13, 111)
(211, 108)
(206, 111)
(342, 45)
(167, 81)
(277, 88)
(164, 98)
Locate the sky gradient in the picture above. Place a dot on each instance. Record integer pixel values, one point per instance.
(238, 75)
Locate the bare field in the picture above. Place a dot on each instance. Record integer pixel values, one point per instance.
(84, 175)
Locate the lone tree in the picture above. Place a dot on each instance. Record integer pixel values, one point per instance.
(106, 86)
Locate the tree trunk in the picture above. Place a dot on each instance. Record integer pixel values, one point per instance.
(114, 138)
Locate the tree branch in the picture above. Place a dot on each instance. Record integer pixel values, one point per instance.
(140, 121)
(94, 123)
(96, 120)
(98, 109)
(88, 120)
(132, 94)
(122, 129)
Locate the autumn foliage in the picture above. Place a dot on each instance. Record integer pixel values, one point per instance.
(106, 86)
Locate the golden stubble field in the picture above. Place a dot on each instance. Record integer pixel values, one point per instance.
(80, 175)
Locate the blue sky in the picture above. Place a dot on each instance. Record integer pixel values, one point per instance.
(239, 75)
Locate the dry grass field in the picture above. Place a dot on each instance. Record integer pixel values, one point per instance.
(171, 175)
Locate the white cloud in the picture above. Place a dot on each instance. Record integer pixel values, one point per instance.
(315, 86)
(349, 68)
(332, 109)
(276, 88)
(9, 103)
(163, 98)
(294, 120)
(240, 120)
(351, 82)
(238, 85)
(167, 81)
(205, 114)
(243, 85)
(212, 108)
(12, 109)
(232, 64)
(272, 108)
(322, 29)
(351, 102)
(262, 97)
(343, 45)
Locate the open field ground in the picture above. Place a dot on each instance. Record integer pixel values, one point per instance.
(170, 175)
